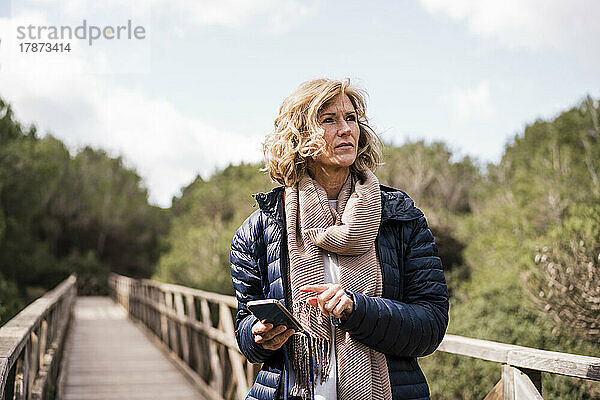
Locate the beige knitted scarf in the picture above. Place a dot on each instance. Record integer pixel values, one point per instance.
(315, 227)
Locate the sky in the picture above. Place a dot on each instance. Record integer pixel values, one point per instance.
(202, 85)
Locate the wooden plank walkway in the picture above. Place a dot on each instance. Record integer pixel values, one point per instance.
(108, 357)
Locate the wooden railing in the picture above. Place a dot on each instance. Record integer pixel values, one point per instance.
(31, 344)
(522, 367)
(196, 328)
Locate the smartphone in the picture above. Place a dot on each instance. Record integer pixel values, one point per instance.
(274, 312)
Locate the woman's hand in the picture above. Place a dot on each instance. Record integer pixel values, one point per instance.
(331, 299)
(269, 337)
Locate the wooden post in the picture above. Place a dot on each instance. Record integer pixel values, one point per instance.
(34, 358)
(508, 383)
(43, 344)
(217, 374)
(183, 328)
(524, 387)
(235, 357)
(26, 369)
(9, 388)
(195, 347)
(172, 342)
(164, 322)
(517, 385)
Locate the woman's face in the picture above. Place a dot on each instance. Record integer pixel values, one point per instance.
(340, 123)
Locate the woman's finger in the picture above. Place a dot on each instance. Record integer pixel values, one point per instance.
(261, 327)
(271, 333)
(343, 309)
(324, 297)
(327, 298)
(327, 295)
(278, 341)
(333, 301)
(314, 288)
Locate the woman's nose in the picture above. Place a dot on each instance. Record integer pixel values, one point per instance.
(344, 128)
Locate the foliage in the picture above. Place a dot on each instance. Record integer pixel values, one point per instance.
(543, 174)
(61, 214)
(92, 275)
(428, 174)
(442, 188)
(10, 300)
(567, 283)
(204, 219)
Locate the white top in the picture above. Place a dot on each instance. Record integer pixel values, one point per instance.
(328, 389)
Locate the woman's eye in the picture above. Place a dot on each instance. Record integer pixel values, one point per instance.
(351, 117)
(327, 120)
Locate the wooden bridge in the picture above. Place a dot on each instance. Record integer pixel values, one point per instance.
(160, 341)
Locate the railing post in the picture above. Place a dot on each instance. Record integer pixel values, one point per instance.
(234, 356)
(164, 322)
(183, 328)
(517, 385)
(508, 383)
(195, 353)
(9, 388)
(217, 375)
(171, 324)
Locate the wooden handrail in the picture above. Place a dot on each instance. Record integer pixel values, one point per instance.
(31, 344)
(521, 376)
(524, 357)
(196, 327)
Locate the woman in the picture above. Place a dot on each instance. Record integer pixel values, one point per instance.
(353, 260)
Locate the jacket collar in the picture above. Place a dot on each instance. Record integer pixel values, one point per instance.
(395, 204)
(271, 203)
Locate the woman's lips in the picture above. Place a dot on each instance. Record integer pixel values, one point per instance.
(344, 146)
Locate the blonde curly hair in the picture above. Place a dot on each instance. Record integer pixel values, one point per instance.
(298, 136)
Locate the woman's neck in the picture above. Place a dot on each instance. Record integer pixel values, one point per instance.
(330, 179)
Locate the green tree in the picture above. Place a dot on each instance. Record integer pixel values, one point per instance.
(204, 220)
(567, 283)
(545, 172)
(60, 214)
(10, 300)
(441, 187)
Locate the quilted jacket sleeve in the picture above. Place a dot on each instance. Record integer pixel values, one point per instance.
(415, 326)
(246, 248)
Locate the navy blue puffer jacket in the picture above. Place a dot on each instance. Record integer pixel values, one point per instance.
(408, 321)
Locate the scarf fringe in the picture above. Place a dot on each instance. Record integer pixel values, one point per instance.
(321, 347)
(320, 356)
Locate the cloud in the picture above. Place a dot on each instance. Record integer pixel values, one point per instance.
(166, 147)
(268, 15)
(527, 24)
(470, 103)
(276, 15)
(60, 95)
